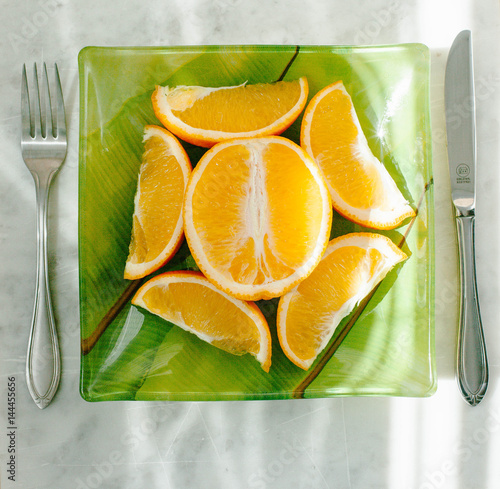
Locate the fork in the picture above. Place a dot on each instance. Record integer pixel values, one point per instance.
(43, 147)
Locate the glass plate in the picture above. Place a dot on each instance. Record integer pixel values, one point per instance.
(384, 348)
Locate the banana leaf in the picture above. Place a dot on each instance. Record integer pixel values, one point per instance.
(385, 347)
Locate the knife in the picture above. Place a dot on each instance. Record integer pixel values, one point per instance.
(472, 362)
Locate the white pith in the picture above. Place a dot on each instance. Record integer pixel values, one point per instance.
(257, 223)
(197, 93)
(215, 136)
(257, 217)
(391, 258)
(176, 318)
(176, 150)
(384, 215)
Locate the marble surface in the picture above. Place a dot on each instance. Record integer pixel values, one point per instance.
(437, 442)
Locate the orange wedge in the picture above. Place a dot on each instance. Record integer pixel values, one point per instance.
(361, 188)
(157, 230)
(206, 115)
(190, 301)
(257, 216)
(350, 268)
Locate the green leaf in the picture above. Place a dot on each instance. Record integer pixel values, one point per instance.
(389, 347)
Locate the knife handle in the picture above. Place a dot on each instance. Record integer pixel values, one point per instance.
(472, 363)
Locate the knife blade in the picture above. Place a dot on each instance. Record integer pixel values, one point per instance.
(472, 363)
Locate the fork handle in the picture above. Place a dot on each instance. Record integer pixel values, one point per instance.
(43, 366)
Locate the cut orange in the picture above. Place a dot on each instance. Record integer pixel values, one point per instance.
(257, 216)
(361, 188)
(188, 300)
(157, 229)
(206, 115)
(350, 268)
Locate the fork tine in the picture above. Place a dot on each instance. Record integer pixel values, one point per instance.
(26, 125)
(37, 122)
(61, 114)
(48, 106)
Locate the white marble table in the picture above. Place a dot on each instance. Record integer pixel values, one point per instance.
(437, 442)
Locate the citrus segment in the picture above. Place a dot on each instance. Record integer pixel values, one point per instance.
(207, 115)
(350, 268)
(257, 216)
(360, 186)
(157, 229)
(188, 300)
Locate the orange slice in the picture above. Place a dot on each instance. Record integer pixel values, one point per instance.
(361, 188)
(205, 115)
(157, 230)
(188, 300)
(257, 216)
(350, 268)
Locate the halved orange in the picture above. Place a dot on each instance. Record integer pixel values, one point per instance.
(188, 300)
(351, 267)
(257, 216)
(157, 230)
(360, 186)
(207, 115)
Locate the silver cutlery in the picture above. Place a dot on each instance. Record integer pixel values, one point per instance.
(43, 147)
(472, 362)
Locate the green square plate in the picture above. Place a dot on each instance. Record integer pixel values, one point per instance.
(385, 348)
